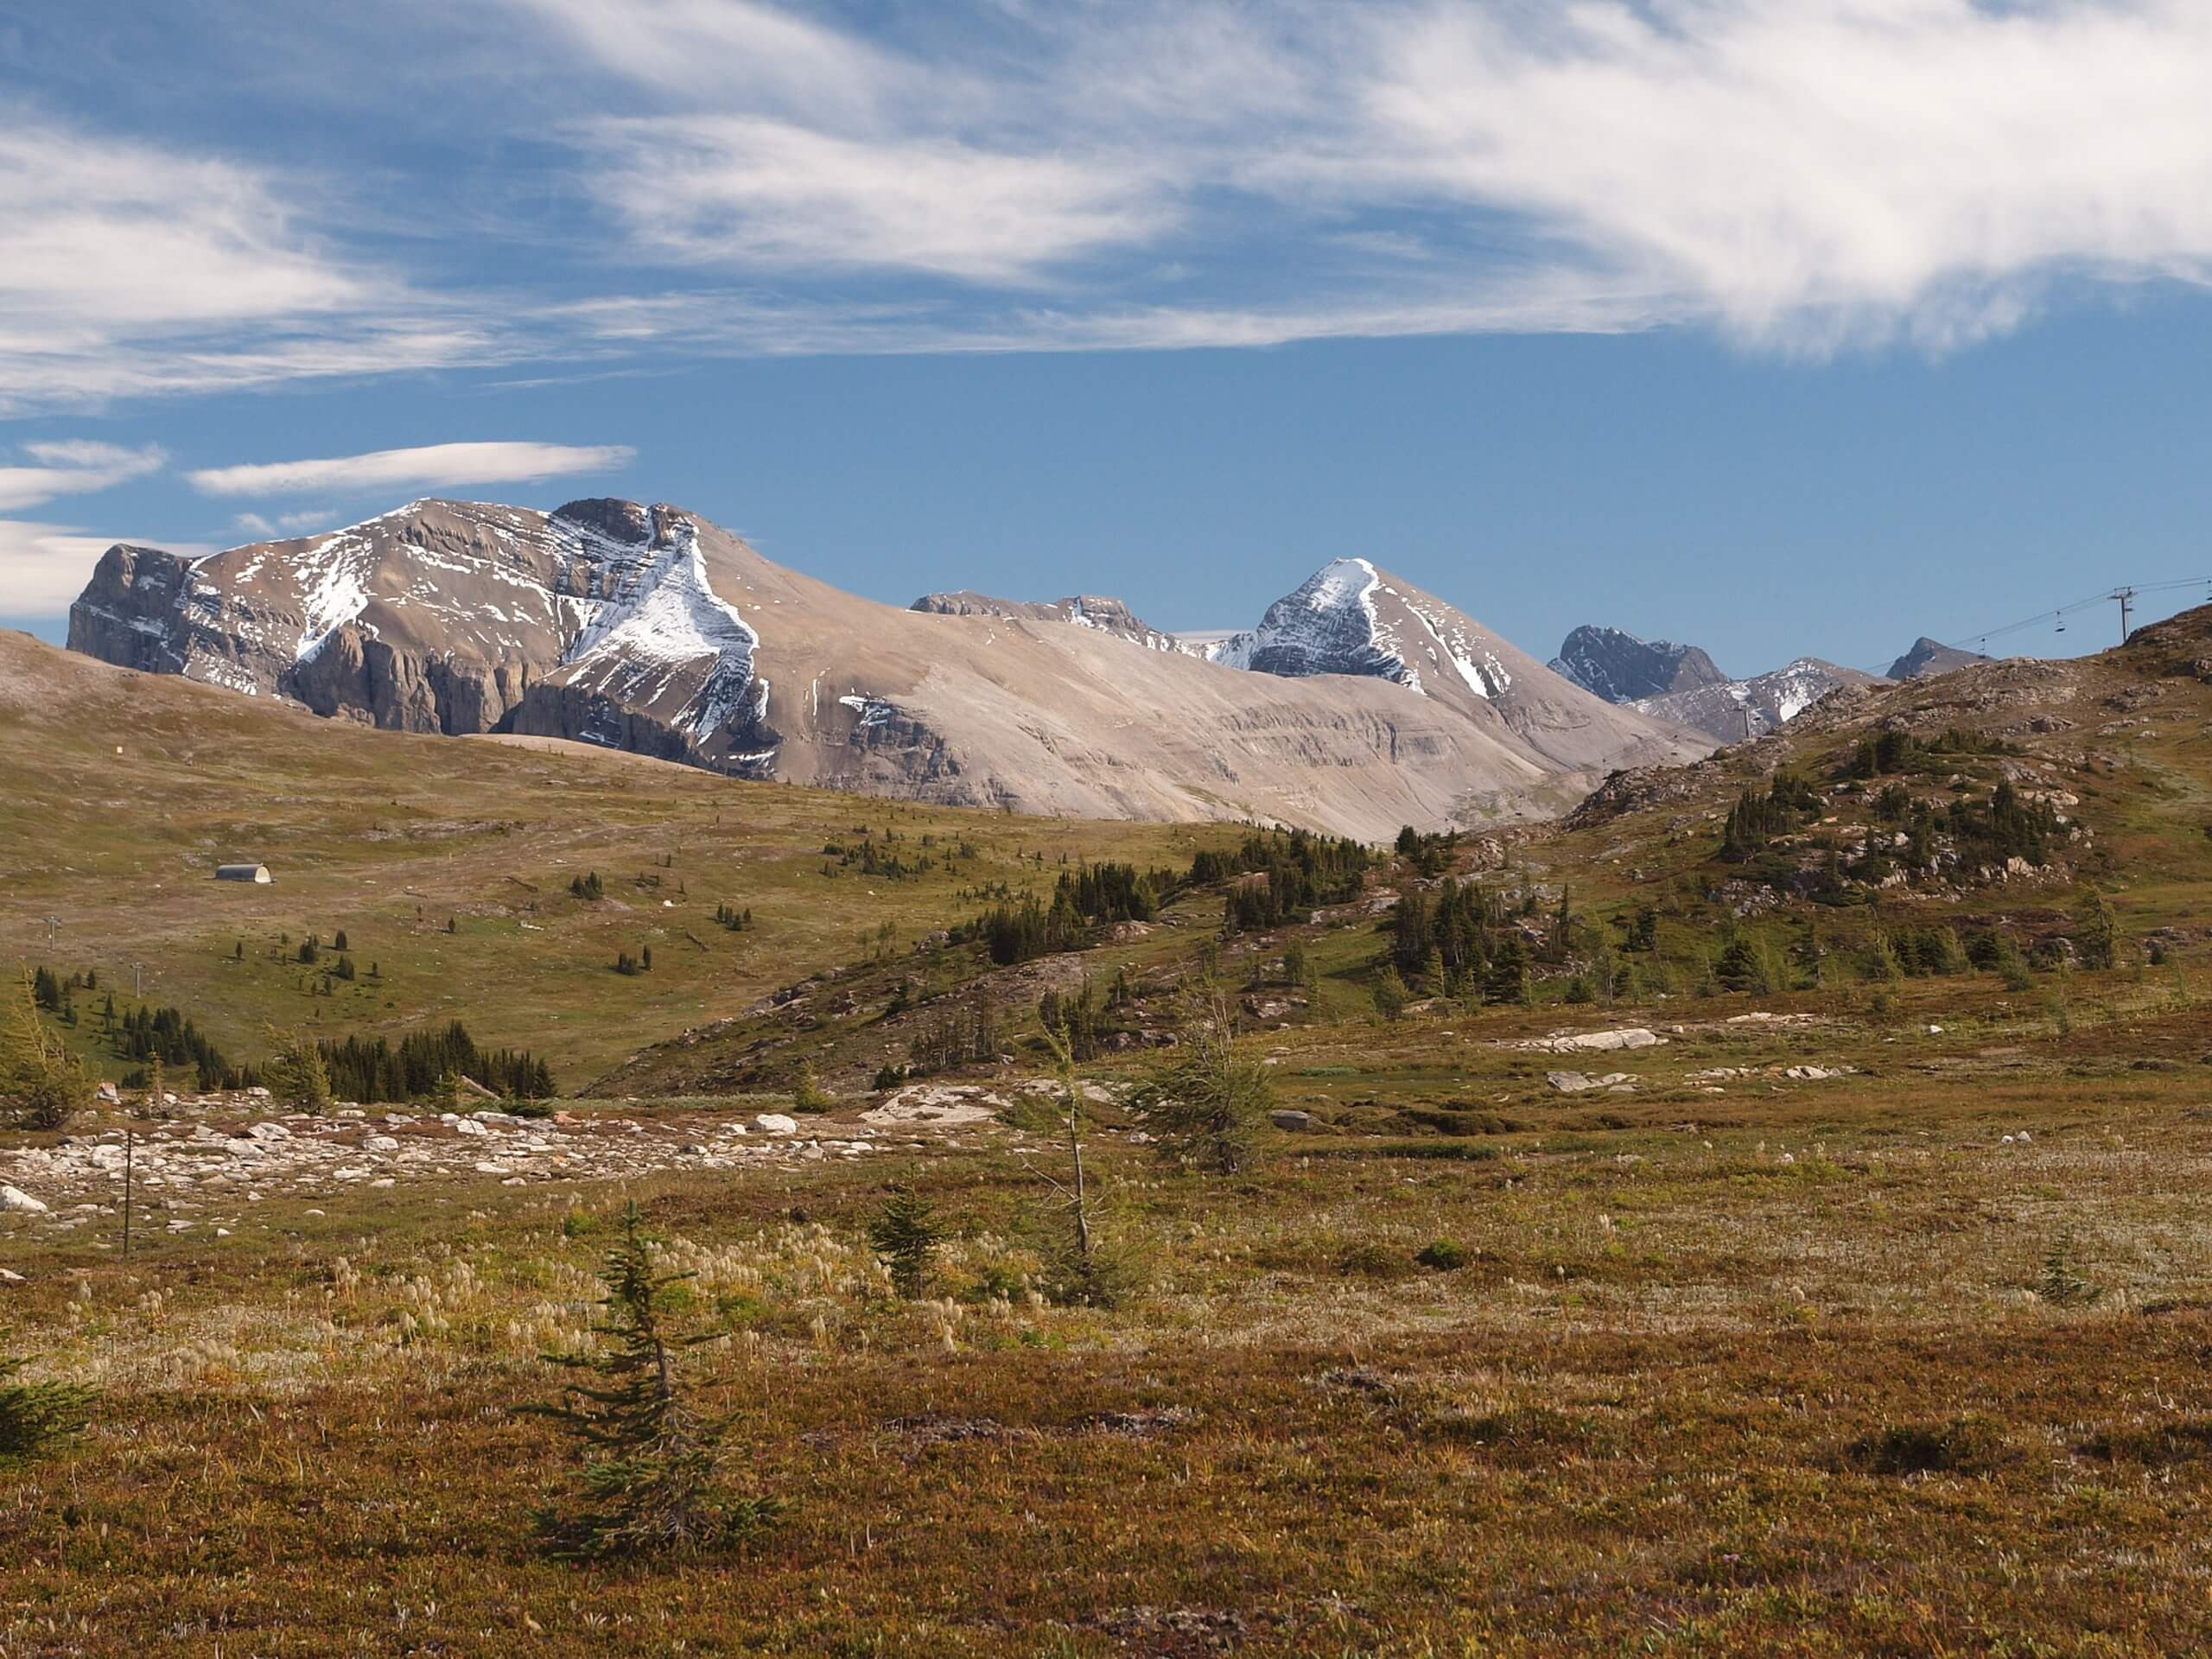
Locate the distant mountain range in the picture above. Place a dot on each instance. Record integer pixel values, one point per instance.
(1681, 684)
(1358, 704)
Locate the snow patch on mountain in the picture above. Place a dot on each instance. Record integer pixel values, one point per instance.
(1337, 622)
(333, 578)
(669, 620)
(1320, 627)
(1477, 667)
(1733, 710)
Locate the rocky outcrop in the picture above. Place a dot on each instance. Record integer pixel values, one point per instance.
(1621, 667)
(133, 611)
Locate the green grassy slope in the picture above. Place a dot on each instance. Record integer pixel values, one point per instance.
(120, 792)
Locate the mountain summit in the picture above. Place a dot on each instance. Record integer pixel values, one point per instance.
(651, 629)
(1618, 666)
(1352, 617)
(1929, 658)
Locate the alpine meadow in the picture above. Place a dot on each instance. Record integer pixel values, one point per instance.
(765, 887)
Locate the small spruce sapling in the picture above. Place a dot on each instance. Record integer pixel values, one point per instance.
(906, 1233)
(651, 1480)
(42, 1085)
(296, 1074)
(34, 1415)
(1206, 1101)
(807, 1093)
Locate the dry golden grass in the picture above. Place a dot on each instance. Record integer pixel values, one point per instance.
(1784, 1386)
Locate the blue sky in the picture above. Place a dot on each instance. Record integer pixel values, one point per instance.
(1782, 328)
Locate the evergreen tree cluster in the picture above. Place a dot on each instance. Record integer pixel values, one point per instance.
(1757, 819)
(1098, 895)
(1080, 1025)
(1432, 855)
(147, 1034)
(1304, 872)
(1019, 931)
(956, 1037)
(731, 917)
(53, 992)
(1105, 893)
(371, 1070)
(868, 859)
(587, 885)
(1888, 753)
(1446, 938)
(1928, 952)
(2007, 827)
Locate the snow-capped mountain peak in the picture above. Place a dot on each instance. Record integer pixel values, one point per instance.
(1349, 618)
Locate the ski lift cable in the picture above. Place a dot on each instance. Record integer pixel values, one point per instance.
(1982, 637)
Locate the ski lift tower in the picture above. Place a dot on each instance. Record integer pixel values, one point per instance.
(2126, 596)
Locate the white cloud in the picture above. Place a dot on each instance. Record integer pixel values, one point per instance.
(438, 465)
(1812, 170)
(1804, 175)
(720, 49)
(261, 528)
(1002, 175)
(44, 566)
(745, 190)
(129, 269)
(73, 469)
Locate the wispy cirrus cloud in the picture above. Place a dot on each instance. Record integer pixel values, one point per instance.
(746, 177)
(73, 468)
(1803, 177)
(129, 268)
(437, 466)
(752, 191)
(267, 527)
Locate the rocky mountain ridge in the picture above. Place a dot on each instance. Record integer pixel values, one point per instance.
(1612, 664)
(649, 629)
(1097, 611)
(1734, 710)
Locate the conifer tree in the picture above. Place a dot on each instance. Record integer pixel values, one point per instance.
(906, 1233)
(34, 1415)
(42, 1085)
(1508, 981)
(649, 1482)
(807, 1092)
(2095, 933)
(1206, 1101)
(296, 1074)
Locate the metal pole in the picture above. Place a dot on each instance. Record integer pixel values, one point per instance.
(52, 931)
(2124, 595)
